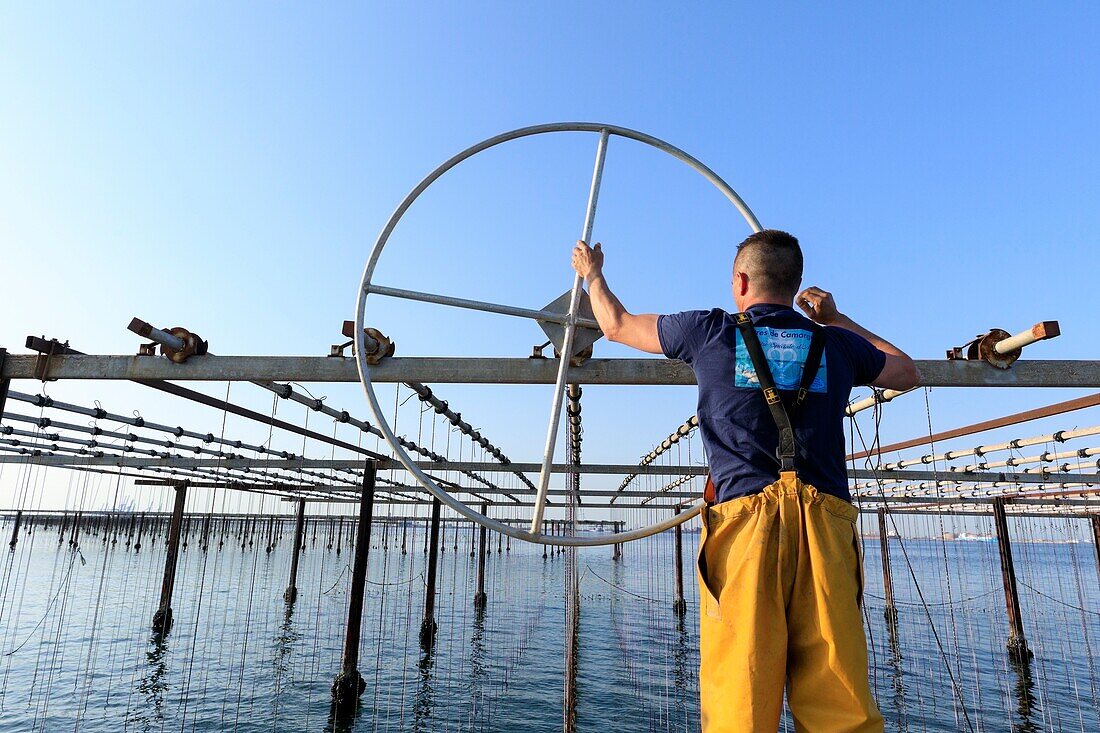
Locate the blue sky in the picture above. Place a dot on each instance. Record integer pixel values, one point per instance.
(228, 167)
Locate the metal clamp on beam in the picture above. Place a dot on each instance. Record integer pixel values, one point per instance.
(1000, 348)
(378, 347)
(45, 354)
(177, 343)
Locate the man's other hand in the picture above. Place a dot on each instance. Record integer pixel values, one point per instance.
(587, 261)
(818, 305)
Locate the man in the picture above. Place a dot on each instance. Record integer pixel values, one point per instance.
(780, 574)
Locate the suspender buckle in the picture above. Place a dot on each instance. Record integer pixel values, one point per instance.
(801, 397)
(771, 394)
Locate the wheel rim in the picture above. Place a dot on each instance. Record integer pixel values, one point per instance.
(364, 291)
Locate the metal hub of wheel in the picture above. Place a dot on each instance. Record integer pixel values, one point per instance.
(572, 321)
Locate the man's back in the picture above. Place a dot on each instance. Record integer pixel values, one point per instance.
(737, 429)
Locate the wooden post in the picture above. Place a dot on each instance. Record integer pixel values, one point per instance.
(891, 612)
(428, 625)
(679, 606)
(206, 532)
(1017, 644)
(162, 619)
(480, 598)
(15, 529)
(299, 527)
(140, 531)
(74, 538)
(1095, 519)
(5, 383)
(349, 684)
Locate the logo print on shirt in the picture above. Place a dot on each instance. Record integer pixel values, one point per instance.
(785, 349)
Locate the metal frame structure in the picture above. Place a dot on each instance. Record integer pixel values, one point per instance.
(188, 360)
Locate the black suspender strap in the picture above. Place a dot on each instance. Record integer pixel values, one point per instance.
(809, 369)
(787, 449)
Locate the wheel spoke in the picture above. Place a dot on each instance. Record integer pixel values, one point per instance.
(478, 305)
(567, 345)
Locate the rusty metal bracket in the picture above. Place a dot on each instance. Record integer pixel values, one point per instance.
(579, 358)
(193, 345)
(378, 345)
(178, 344)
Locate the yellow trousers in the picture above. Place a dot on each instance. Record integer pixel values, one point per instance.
(780, 578)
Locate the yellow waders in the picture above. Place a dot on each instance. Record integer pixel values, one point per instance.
(780, 578)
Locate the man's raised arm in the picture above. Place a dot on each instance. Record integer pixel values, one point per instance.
(899, 372)
(617, 324)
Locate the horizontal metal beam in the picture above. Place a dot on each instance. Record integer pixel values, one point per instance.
(469, 370)
(346, 491)
(944, 477)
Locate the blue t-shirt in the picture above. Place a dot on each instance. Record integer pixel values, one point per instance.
(736, 426)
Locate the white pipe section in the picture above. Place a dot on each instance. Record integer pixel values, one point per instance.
(884, 396)
(1059, 437)
(1038, 332)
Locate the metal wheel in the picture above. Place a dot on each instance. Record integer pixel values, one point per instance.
(570, 321)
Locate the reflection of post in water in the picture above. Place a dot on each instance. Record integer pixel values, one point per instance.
(683, 672)
(897, 677)
(284, 643)
(572, 631)
(425, 693)
(1027, 708)
(153, 684)
(478, 670)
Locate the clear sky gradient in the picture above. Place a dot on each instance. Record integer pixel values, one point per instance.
(227, 167)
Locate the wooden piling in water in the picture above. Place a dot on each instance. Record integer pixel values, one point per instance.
(349, 684)
(291, 592)
(480, 598)
(74, 538)
(679, 606)
(1017, 644)
(891, 611)
(1095, 520)
(428, 625)
(15, 529)
(162, 619)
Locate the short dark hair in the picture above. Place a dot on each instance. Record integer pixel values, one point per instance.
(773, 261)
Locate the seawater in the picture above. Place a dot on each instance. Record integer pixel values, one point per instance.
(78, 653)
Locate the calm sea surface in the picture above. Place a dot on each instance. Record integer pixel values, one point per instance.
(78, 653)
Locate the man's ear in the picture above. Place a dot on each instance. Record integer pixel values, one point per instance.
(740, 284)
